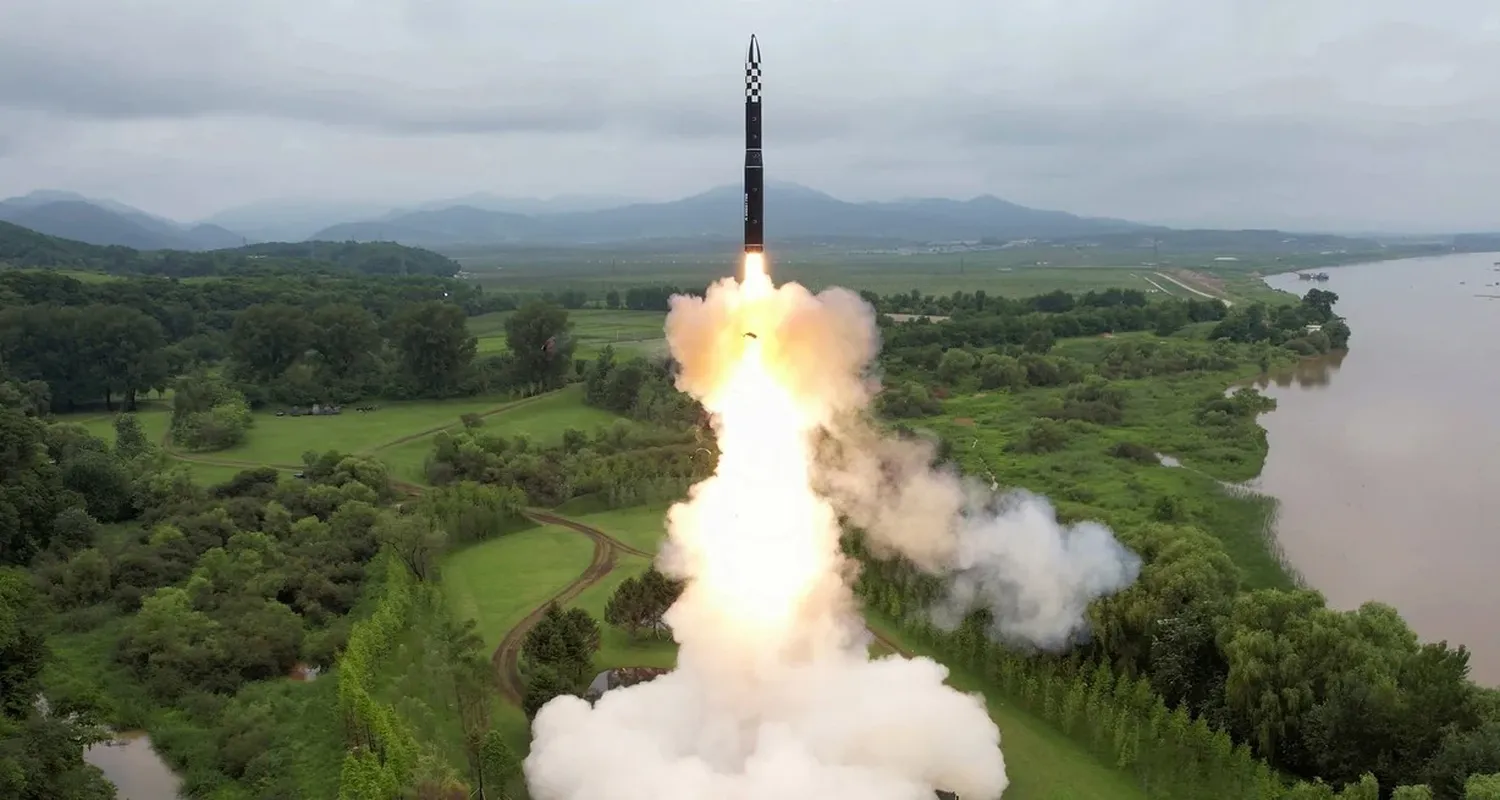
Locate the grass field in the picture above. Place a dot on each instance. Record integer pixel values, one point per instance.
(154, 415)
(629, 332)
(616, 649)
(936, 277)
(497, 583)
(282, 440)
(543, 419)
(399, 434)
(641, 527)
(1014, 272)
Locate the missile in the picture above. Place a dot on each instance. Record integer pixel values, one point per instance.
(755, 179)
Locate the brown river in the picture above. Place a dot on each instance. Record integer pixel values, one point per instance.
(135, 769)
(1386, 461)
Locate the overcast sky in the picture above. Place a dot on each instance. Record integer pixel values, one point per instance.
(1342, 113)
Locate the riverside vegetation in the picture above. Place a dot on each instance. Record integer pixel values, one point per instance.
(182, 608)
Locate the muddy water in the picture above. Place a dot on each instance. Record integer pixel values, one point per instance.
(135, 769)
(1386, 462)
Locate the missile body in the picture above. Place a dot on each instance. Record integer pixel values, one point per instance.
(755, 181)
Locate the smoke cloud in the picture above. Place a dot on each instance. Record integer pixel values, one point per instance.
(774, 695)
(1003, 552)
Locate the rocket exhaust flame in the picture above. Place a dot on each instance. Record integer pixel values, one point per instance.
(774, 695)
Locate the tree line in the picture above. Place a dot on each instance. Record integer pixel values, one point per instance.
(288, 339)
(622, 464)
(1326, 697)
(1037, 322)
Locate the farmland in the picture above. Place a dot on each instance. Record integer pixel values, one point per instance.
(1014, 272)
(628, 332)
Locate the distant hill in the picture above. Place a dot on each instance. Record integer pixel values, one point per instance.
(106, 222)
(372, 258)
(794, 213)
(561, 204)
(24, 247)
(291, 219)
(27, 248)
(294, 220)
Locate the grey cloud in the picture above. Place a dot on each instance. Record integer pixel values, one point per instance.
(1129, 107)
(85, 88)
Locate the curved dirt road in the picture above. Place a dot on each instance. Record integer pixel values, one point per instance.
(507, 655)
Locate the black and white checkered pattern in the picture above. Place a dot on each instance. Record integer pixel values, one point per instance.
(752, 83)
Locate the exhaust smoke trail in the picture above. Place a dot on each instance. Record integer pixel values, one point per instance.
(1006, 553)
(774, 696)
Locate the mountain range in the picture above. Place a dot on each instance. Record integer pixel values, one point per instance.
(797, 213)
(69, 215)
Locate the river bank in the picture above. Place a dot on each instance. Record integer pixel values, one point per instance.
(1384, 460)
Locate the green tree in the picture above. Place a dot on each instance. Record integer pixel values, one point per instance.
(416, 540)
(1482, 787)
(435, 347)
(266, 339)
(345, 336)
(130, 438)
(31, 490)
(542, 684)
(955, 365)
(537, 334)
(639, 603)
(1039, 341)
(103, 482)
(74, 528)
(564, 642)
(1000, 372)
(499, 763)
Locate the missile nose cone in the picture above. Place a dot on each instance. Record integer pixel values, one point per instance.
(754, 55)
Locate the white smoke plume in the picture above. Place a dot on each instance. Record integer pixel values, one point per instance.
(774, 696)
(1006, 553)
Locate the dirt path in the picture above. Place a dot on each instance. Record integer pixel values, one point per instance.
(412, 437)
(1158, 286)
(209, 460)
(607, 549)
(584, 581)
(549, 518)
(1226, 301)
(507, 657)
